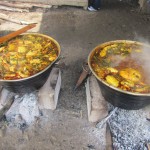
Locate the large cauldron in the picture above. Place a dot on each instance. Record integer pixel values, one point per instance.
(116, 96)
(33, 82)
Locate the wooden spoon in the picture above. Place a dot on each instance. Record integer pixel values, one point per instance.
(15, 33)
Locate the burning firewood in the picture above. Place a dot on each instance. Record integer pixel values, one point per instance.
(48, 94)
(96, 105)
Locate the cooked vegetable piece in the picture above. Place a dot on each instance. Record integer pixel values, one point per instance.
(127, 83)
(131, 74)
(112, 70)
(22, 49)
(143, 90)
(112, 81)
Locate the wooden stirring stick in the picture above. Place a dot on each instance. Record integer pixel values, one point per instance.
(15, 33)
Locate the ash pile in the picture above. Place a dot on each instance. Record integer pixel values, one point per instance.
(130, 129)
(23, 109)
(124, 129)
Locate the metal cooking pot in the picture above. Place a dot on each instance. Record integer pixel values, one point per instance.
(33, 82)
(116, 96)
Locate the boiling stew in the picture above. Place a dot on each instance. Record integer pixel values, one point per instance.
(25, 56)
(118, 65)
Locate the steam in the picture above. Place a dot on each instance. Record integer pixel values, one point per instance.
(117, 60)
(143, 57)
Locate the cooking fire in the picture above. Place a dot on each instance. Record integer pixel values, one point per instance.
(21, 109)
(31, 84)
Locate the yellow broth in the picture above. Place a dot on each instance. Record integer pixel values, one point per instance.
(26, 55)
(116, 64)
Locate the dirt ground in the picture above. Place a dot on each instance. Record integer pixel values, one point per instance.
(78, 31)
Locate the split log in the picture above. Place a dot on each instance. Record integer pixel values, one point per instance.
(48, 94)
(24, 5)
(13, 9)
(96, 105)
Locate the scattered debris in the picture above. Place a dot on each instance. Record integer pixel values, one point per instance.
(96, 105)
(48, 94)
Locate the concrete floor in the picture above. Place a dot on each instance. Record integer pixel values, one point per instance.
(78, 31)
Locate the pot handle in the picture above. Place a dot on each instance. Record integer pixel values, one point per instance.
(85, 72)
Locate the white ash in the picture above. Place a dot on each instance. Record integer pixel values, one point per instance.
(24, 110)
(100, 135)
(130, 129)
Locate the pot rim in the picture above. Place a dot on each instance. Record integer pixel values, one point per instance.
(59, 50)
(105, 83)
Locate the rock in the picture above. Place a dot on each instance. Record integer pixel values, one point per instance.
(48, 94)
(96, 105)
